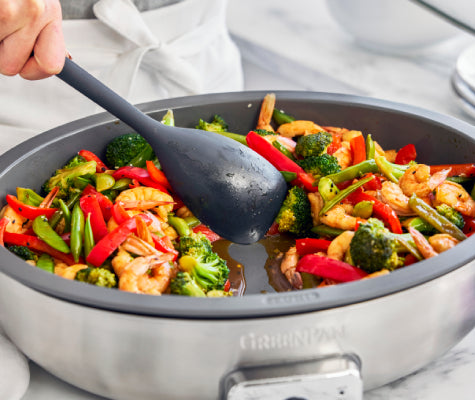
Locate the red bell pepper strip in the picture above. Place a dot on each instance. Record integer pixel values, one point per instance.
(3, 224)
(271, 154)
(35, 243)
(273, 230)
(464, 170)
(380, 210)
(212, 236)
(30, 212)
(90, 205)
(90, 156)
(119, 214)
(335, 144)
(307, 181)
(311, 245)
(328, 268)
(106, 246)
(104, 202)
(406, 154)
(157, 175)
(164, 244)
(469, 226)
(373, 184)
(135, 183)
(140, 175)
(227, 285)
(358, 149)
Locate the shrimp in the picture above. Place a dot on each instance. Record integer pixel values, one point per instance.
(340, 245)
(422, 244)
(441, 242)
(392, 195)
(455, 196)
(289, 268)
(298, 128)
(417, 179)
(121, 260)
(15, 225)
(137, 279)
(344, 155)
(265, 115)
(68, 271)
(316, 204)
(337, 217)
(143, 197)
(138, 246)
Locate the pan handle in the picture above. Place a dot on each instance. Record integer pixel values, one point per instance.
(331, 378)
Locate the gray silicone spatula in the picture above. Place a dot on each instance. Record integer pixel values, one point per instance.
(228, 186)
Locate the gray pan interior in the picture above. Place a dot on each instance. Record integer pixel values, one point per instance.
(439, 139)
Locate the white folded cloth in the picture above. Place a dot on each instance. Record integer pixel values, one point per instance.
(14, 371)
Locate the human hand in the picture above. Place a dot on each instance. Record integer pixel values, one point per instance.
(31, 26)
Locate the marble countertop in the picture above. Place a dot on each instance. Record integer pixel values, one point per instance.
(295, 45)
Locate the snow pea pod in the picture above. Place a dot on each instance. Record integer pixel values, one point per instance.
(77, 231)
(43, 230)
(179, 224)
(45, 262)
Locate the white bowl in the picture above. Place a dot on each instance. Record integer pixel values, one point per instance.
(390, 26)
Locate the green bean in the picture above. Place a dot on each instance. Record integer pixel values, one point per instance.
(179, 224)
(439, 222)
(45, 262)
(284, 150)
(281, 118)
(58, 215)
(66, 215)
(77, 231)
(355, 171)
(46, 233)
(88, 236)
(370, 148)
(289, 176)
(327, 231)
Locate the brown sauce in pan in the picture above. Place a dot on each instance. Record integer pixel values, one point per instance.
(255, 268)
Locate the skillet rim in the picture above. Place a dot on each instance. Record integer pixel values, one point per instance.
(249, 306)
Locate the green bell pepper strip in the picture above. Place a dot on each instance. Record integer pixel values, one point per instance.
(281, 117)
(354, 171)
(179, 224)
(66, 215)
(45, 262)
(77, 231)
(88, 236)
(104, 182)
(342, 194)
(192, 221)
(28, 196)
(43, 230)
(439, 222)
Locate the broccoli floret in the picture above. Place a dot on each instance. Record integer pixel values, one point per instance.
(184, 285)
(451, 214)
(294, 215)
(97, 276)
(373, 247)
(207, 269)
(75, 161)
(123, 149)
(64, 178)
(216, 125)
(264, 132)
(313, 145)
(23, 252)
(195, 243)
(322, 165)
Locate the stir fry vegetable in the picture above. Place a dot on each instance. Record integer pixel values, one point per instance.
(353, 211)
